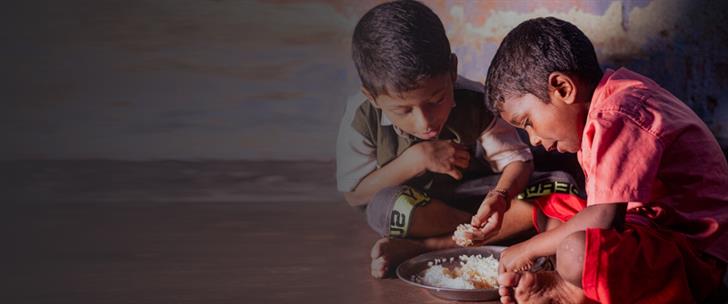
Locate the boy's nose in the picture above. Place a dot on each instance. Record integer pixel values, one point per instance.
(535, 140)
(424, 121)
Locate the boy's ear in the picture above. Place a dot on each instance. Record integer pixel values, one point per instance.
(453, 67)
(370, 97)
(562, 87)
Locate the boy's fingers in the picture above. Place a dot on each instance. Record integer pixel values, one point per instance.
(508, 279)
(503, 291)
(479, 218)
(460, 163)
(458, 146)
(493, 225)
(462, 155)
(475, 235)
(455, 174)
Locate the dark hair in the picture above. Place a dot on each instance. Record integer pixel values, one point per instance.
(398, 44)
(531, 52)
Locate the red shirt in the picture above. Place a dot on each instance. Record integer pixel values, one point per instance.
(644, 146)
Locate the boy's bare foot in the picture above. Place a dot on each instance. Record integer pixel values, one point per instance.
(388, 253)
(539, 287)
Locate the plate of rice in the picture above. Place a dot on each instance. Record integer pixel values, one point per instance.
(461, 274)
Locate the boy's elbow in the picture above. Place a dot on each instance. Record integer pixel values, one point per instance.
(528, 166)
(523, 167)
(609, 215)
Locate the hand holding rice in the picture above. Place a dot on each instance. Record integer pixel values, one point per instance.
(459, 236)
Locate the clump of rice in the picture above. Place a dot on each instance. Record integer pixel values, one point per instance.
(459, 235)
(471, 272)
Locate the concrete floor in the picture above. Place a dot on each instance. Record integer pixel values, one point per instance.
(177, 232)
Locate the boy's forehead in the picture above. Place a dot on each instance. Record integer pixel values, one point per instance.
(509, 108)
(425, 91)
(515, 107)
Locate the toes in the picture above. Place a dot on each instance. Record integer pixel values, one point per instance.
(379, 267)
(503, 291)
(525, 286)
(377, 249)
(506, 294)
(526, 266)
(387, 253)
(508, 279)
(506, 300)
(527, 280)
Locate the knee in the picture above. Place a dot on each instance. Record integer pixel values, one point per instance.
(570, 257)
(390, 210)
(379, 209)
(551, 176)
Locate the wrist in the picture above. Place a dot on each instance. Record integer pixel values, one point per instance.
(542, 245)
(502, 194)
(414, 160)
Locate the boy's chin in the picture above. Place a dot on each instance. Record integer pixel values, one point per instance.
(567, 149)
(429, 136)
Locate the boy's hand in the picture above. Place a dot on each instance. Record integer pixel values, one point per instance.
(516, 258)
(443, 156)
(489, 218)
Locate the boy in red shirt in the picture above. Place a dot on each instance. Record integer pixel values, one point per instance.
(653, 228)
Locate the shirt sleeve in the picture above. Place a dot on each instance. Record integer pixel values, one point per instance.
(622, 159)
(355, 154)
(503, 146)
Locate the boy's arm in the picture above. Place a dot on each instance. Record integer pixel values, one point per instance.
(602, 216)
(506, 153)
(515, 177)
(624, 172)
(394, 173)
(490, 214)
(436, 156)
(357, 175)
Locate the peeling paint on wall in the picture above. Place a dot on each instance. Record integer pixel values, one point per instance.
(187, 79)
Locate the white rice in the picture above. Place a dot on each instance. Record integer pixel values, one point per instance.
(470, 272)
(459, 235)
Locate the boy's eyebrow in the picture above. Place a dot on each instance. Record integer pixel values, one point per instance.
(437, 92)
(428, 98)
(514, 117)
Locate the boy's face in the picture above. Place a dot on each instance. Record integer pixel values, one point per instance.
(421, 112)
(556, 125)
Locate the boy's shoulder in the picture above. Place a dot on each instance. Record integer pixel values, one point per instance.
(469, 94)
(628, 93)
(466, 84)
(470, 112)
(623, 94)
(617, 89)
(361, 115)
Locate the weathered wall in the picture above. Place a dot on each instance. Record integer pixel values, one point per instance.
(150, 79)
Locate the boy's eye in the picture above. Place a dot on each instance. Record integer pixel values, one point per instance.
(402, 111)
(526, 123)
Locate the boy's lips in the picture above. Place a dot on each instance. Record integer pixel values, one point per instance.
(553, 147)
(429, 134)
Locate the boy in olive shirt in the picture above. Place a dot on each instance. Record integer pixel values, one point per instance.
(419, 149)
